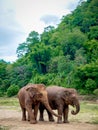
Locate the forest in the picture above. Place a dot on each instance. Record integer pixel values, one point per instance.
(66, 55)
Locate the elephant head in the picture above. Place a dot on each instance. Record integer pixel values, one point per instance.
(70, 97)
(37, 92)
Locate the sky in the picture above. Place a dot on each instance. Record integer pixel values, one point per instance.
(19, 17)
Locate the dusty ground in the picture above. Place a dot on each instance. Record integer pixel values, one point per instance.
(11, 119)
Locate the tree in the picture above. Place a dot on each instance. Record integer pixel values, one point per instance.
(85, 75)
(25, 47)
(22, 50)
(72, 42)
(92, 50)
(20, 75)
(40, 55)
(46, 35)
(65, 65)
(33, 38)
(4, 79)
(90, 85)
(12, 90)
(80, 57)
(93, 33)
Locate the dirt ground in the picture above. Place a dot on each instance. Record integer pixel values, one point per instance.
(11, 119)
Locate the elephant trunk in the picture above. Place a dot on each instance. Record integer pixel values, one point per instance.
(50, 110)
(77, 105)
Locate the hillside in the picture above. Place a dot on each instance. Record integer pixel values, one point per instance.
(65, 56)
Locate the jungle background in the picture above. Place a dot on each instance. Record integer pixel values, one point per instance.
(66, 55)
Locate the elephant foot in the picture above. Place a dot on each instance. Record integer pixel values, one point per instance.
(28, 119)
(52, 120)
(41, 119)
(65, 121)
(33, 122)
(59, 122)
(23, 119)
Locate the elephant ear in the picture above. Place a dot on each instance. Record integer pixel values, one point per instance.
(33, 92)
(66, 95)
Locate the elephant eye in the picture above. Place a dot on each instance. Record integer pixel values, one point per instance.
(67, 93)
(40, 95)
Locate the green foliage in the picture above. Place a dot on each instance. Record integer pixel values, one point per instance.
(19, 74)
(1, 94)
(83, 92)
(3, 65)
(25, 47)
(33, 38)
(93, 33)
(40, 55)
(85, 15)
(46, 35)
(92, 50)
(39, 79)
(65, 56)
(65, 65)
(90, 85)
(80, 57)
(95, 92)
(21, 50)
(72, 42)
(12, 90)
(85, 77)
(4, 78)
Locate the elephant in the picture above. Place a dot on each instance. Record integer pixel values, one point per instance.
(59, 99)
(30, 97)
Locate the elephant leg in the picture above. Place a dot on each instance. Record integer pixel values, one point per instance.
(50, 116)
(23, 114)
(60, 111)
(31, 115)
(36, 110)
(41, 117)
(65, 114)
(28, 117)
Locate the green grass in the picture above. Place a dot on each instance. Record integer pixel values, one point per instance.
(88, 113)
(4, 128)
(9, 101)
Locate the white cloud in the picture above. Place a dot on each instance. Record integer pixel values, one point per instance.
(50, 19)
(19, 17)
(29, 12)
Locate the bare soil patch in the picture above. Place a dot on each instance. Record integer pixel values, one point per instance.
(10, 119)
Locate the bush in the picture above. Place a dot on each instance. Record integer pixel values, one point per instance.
(95, 92)
(1, 94)
(90, 85)
(82, 92)
(39, 79)
(46, 79)
(12, 90)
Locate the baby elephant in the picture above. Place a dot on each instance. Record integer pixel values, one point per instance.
(60, 98)
(30, 97)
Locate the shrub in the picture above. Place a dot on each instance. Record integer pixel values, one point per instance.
(1, 94)
(46, 79)
(12, 90)
(95, 92)
(90, 85)
(39, 79)
(82, 92)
